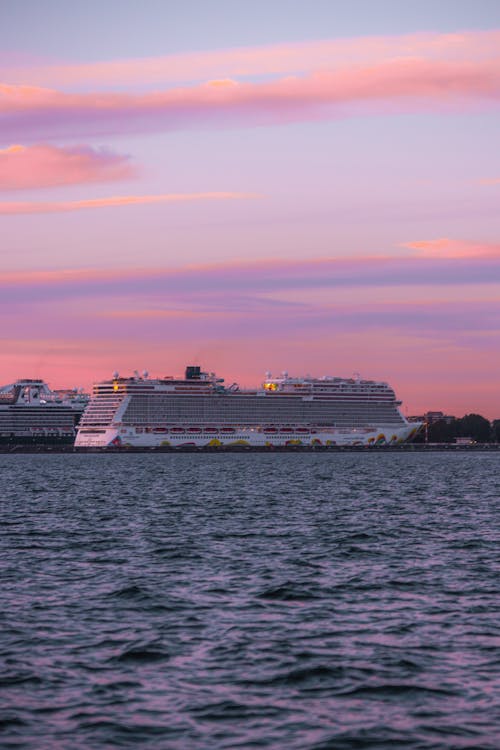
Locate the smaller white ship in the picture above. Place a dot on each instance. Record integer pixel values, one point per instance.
(29, 409)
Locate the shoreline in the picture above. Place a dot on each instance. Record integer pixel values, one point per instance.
(20, 448)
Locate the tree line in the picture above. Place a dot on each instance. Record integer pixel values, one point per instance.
(473, 426)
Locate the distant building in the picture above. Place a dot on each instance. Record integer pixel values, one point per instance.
(431, 417)
(437, 416)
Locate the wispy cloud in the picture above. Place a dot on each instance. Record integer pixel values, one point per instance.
(445, 247)
(12, 208)
(419, 318)
(43, 165)
(395, 85)
(273, 59)
(197, 285)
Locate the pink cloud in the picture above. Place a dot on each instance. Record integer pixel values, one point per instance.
(12, 208)
(276, 59)
(43, 165)
(221, 285)
(449, 248)
(394, 85)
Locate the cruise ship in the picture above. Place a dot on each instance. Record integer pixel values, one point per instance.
(31, 412)
(198, 410)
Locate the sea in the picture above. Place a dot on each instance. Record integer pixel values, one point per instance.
(293, 601)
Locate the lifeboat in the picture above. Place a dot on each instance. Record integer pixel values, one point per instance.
(270, 429)
(211, 429)
(228, 429)
(177, 429)
(302, 430)
(160, 429)
(194, 429)
(286, 429)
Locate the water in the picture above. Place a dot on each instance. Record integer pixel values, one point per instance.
(250, 601)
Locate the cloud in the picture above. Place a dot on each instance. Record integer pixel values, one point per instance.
(12, 208)
(42, 165)
(244, 300)
(449, 248)
(419, 318)
(222, 285)
(399, 85)
(273, 59)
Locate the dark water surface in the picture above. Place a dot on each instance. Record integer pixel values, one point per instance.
(250, 601)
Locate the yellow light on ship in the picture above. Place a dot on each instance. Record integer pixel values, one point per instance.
(270, 386)
(115, 386)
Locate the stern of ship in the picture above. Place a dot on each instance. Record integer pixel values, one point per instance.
(106, 438)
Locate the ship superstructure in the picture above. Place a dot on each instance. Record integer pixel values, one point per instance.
(30, 410)
(199, 410)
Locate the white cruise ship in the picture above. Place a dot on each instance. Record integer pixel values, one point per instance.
(198, 410)
(31, 411)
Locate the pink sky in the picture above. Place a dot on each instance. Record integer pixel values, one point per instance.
(318, 207)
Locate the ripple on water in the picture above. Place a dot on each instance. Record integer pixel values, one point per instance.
(299, 601)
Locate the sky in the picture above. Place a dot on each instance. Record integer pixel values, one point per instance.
(253, 186)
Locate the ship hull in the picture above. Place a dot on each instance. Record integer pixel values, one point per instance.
(114, 437)
(38, 442)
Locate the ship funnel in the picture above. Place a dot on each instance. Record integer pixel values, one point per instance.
(193, 372)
